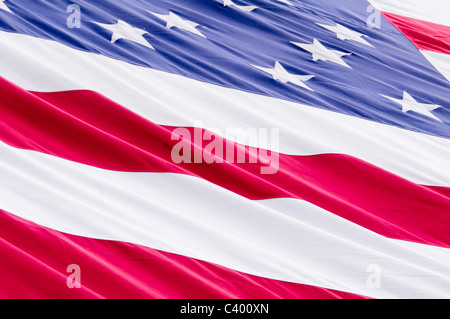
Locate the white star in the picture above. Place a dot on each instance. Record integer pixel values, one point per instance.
(408, 103)
(319, 52)
(229, 3)
(285, 1)
(279, 73)
(122, 30)
(175, 21)
(3, 6)
(344, 33)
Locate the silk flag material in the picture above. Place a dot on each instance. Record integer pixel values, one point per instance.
(119, 178)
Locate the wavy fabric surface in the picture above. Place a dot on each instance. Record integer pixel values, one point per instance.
(115, 155)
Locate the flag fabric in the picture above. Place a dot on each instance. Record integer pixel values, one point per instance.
(119, 178)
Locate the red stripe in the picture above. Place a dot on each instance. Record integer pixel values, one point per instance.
(441, 190)
(35, 259)
(425, 35)
(86, 127)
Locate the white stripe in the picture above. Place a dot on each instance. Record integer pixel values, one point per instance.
(168, 99)
(440, 61)
(435, 11)
(283, 239)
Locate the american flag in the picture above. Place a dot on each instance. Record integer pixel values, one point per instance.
(225, 149)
